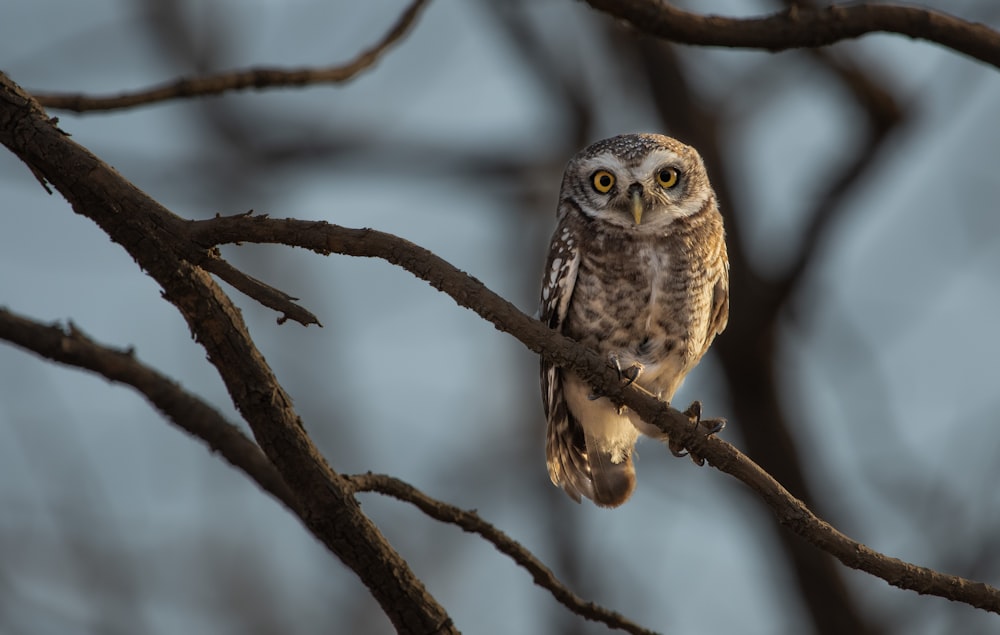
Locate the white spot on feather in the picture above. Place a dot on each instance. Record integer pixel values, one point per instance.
(554, 274)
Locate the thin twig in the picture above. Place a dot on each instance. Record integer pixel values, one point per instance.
(259, 291)
(472, 523)
(256, 78)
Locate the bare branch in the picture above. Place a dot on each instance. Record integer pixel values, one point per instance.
(69, 345)
(472, 523)
(154, 237)
(72, 347)
(469, 292)
(256, 78)
(264, 293)
(799, 27)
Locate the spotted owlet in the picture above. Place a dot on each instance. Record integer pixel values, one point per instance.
(637, 270)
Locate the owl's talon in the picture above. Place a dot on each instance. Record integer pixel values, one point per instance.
(713, 426)
(630, 374)
(710, 426)
(677, 449)
(693, 412)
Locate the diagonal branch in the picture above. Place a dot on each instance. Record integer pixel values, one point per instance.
(801, 27)
(155, 238)
(256, 78)
(325, 238)
(472, 523)
(68, 345)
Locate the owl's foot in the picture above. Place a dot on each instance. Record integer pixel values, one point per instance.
(711, 426)
(630, 374)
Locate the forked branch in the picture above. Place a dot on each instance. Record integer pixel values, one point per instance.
(69, 345)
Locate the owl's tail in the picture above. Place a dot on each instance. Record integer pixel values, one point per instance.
(612, 483)
(577, 465)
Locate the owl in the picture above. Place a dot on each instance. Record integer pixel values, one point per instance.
(637, 270)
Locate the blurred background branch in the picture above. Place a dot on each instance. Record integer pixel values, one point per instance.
(802, 25)
(255, 78)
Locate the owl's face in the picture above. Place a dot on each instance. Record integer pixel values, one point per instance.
(641, 182)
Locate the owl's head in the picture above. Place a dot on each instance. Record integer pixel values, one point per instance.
(642, 182)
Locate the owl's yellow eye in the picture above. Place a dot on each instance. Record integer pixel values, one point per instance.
(603, 181)
(667, 177)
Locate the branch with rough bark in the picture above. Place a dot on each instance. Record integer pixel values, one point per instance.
(69, 345)
(159, 241)
(155, 238)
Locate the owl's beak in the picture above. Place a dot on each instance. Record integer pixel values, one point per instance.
(637, 206)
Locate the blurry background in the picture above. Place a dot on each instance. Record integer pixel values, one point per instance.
(859, 184)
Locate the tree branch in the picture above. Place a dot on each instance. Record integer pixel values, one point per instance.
(261, 292)
(467, 291)
(155, 238)
(799, 27)
(472, 523)
(68, 345)
(256, 78)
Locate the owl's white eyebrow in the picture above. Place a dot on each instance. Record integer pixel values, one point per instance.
(657, 159)
(604, 162)
(651, 162)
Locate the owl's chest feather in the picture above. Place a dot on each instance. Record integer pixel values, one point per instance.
(643, 305)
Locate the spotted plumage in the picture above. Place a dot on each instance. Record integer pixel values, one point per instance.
(637, 270)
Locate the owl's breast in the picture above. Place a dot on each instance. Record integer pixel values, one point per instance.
(647, 306)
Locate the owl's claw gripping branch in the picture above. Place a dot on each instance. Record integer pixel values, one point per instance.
(630, 374)
(693, 412)
(711, 426)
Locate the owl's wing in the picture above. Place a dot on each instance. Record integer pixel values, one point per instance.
(565, 447)
(560, 275)
(720, 302)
